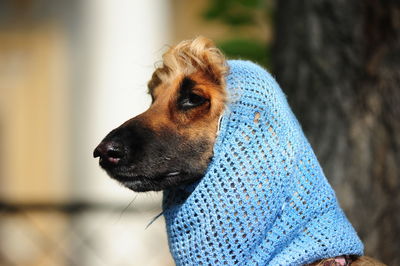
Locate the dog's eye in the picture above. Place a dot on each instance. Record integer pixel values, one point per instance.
(191, 100)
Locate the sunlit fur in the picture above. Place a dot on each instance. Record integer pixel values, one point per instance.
(189, 57)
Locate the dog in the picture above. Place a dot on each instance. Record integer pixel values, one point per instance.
(171, 145)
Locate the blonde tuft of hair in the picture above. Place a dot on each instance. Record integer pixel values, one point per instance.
(191, 56)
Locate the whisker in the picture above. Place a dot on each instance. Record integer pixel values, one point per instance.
(154, 219)
(126, 208)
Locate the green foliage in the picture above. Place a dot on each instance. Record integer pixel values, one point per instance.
(233, 12)
(236, 14)
(254, 50)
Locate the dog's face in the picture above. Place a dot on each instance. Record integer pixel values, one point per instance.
(172, 142)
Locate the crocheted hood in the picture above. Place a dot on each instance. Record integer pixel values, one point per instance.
(264, 199)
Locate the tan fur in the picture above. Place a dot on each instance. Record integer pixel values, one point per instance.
(365, 261)
(188, 57)
(201, 61)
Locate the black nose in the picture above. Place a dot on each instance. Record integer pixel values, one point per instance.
(110, 153)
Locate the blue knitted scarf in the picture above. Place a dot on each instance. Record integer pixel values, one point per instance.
(264, 199)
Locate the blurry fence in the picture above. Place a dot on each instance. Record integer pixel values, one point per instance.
(78, 234)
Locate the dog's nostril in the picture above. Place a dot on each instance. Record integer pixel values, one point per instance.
(115, 152)
(110, 153)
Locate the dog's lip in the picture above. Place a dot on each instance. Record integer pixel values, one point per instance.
(129, 177)
(109, 159)
(108, 163)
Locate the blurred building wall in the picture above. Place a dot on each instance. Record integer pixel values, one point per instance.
(70, 71)
(33, 134)
(33, 111)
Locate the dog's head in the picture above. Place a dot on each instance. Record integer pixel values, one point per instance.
(172, 142)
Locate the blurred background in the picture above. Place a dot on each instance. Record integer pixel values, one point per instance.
(70, 71)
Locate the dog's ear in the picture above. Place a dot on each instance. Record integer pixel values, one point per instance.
(191, 56)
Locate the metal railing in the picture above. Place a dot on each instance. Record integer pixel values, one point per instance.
(57, 234)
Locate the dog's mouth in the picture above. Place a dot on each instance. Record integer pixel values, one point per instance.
(143, 160)
(121, 177)
(155, 174)
(143, 183)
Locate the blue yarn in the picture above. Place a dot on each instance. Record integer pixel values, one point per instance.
(264, 199)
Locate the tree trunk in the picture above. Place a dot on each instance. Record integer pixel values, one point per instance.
(339, 64)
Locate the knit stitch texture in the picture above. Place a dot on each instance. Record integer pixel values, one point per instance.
(264, 199)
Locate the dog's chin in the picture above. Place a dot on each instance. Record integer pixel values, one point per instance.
(154, 183)
(140, 185)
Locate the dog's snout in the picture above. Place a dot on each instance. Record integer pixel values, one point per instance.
(110, 153)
